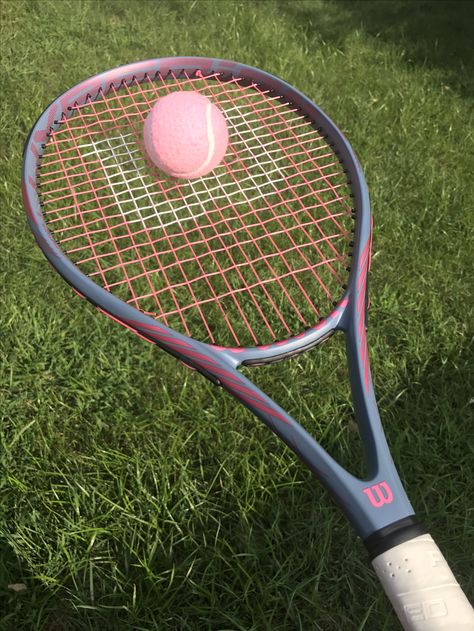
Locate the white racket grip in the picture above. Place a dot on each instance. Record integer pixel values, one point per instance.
(422, 588)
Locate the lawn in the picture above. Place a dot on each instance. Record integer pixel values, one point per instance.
(136, 495)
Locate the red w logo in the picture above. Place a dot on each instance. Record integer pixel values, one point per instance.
(379, 494)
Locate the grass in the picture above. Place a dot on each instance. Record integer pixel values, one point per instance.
(135, 495)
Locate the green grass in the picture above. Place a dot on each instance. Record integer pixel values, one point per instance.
(135, 495)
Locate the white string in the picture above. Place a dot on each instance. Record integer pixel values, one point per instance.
(126, 166)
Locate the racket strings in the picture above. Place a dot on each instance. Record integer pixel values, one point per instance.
(252, 253)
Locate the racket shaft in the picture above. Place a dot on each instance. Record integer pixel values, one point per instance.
(422, 588)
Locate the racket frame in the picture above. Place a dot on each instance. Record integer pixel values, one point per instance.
(377, 506)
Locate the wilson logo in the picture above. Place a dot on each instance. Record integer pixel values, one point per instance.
(379, 494)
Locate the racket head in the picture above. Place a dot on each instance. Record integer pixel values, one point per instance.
(346, 305)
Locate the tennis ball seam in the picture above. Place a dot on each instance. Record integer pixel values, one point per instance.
(211, 143)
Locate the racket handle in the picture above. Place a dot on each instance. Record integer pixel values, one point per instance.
(422, 588)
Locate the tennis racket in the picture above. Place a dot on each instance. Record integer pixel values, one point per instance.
(258, 261)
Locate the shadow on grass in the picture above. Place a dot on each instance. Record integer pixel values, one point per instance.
(433, 33)
(26, 603)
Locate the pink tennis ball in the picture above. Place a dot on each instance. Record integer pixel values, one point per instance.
(185, 134)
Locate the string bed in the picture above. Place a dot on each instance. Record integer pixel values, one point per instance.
(253, 253)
